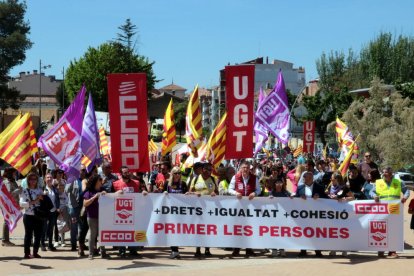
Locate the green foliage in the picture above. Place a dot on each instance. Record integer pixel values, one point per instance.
(385, 123)
(332, 98)
(180, 110)
(388, 58)
(13, 36)
(128, 32)
(93, 67)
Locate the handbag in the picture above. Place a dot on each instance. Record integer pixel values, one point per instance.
(42, 211)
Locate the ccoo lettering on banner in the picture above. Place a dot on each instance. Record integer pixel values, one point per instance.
(127, 98)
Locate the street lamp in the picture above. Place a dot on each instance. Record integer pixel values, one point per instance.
(40, 89)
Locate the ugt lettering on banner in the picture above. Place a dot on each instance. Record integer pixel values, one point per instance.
(240, 99)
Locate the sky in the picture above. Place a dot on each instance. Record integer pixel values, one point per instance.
(190, 40)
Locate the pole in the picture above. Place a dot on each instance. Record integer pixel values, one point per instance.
(40, 92)
(63, 90)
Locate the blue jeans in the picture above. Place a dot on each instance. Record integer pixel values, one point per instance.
(74, 225)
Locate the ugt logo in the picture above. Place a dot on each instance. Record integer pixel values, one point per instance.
(378, 233)
(124, 211)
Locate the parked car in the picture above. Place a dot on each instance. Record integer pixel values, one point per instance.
(406, 178)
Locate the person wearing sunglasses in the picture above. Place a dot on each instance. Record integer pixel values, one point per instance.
(367, 165)
(175, 185)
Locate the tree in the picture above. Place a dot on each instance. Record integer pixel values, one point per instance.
(180, 110)
(390, 59)
(9, 98)
(385, 122)
(336, 73)
(93, 67)
(128, 32)
(13, 45)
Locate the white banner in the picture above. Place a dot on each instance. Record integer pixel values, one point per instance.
(179, 220)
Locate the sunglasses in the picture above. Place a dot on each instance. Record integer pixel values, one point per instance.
(32, 179)
(177, 173)
(367, 155)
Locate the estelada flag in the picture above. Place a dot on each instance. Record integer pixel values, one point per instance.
(18, 144)
(9, 207)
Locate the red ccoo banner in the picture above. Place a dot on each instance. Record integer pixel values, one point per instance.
(308, 136)
(240, 99)
(127, 104)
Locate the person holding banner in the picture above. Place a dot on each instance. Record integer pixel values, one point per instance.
(9, 181)
(175, 185)
(204, 184)
(389, 188)
(127, 185)
(244, 183)
(310, 189)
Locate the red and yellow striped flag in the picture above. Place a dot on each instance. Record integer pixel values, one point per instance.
(216, 146)
(193, 126)
(298, 151)
(85, 161)
(169, 136)
(343, 168)
(103, 142)
(152, 147)
(18, 144)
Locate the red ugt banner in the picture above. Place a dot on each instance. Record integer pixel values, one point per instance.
(240, 99)
(308, 136)
(127, 104)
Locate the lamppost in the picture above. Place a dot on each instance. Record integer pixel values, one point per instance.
(40, 89)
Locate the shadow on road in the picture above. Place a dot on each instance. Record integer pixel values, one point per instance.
(32, 266)
(136, 264)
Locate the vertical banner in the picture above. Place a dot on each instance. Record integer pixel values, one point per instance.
(240, 101)
(308, 136)
(127, 104)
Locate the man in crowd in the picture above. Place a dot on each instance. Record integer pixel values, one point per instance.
(244, 183)
(389, 188)
(204, 184)
(355, 181)
(367, 165)
(108, 177)
(127, 185)
(310, 189)
(162, 177)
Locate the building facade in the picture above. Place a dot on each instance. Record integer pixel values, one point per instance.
(40, 92)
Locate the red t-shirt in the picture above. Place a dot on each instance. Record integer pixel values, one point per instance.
(132, 186)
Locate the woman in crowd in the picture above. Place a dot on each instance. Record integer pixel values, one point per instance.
(339, 191)
(372, 176)
(223, 181)
(40, 182)
(294, 176)
(31, 197)
(279, 190)
(9, 180)
(175, 186)
(91, 195)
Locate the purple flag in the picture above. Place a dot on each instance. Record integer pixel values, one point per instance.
(62, 142)
(260, 131)
(273, 114)
(90, 136)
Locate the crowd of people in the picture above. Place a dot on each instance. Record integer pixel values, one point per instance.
(75, 206)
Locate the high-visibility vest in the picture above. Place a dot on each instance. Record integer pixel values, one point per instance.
(183, 172)
(388, 193)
